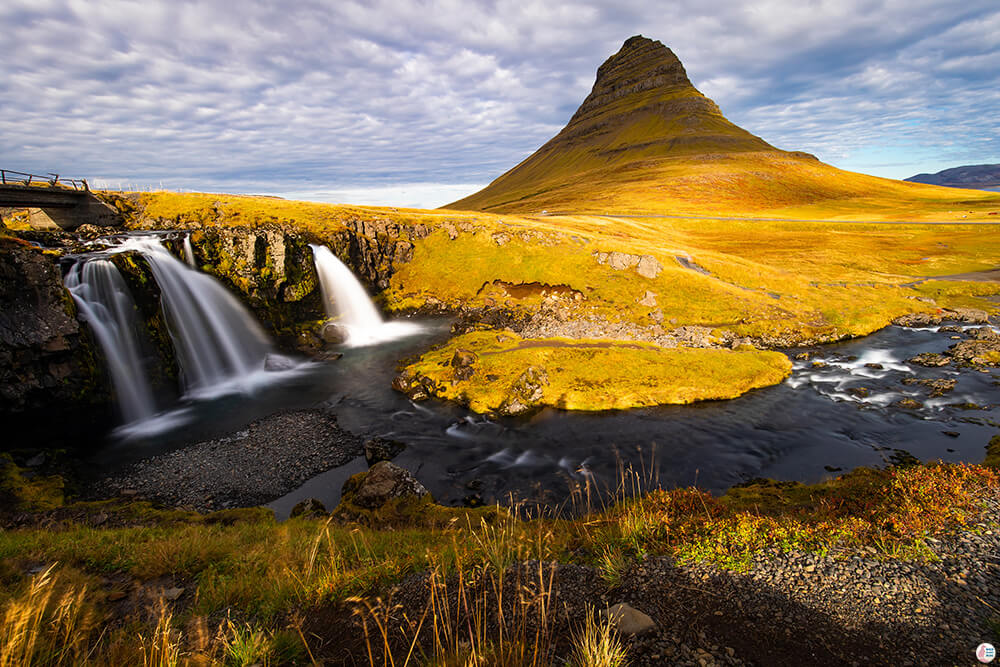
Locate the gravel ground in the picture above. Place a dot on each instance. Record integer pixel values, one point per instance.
(848, 608)
(788, 608)
(268, 459)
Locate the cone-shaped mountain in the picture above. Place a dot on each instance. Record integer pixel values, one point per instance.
(645, 140)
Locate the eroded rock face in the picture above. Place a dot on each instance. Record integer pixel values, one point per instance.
(383, 482)
(51, 374)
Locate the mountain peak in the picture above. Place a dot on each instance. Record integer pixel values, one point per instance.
(641, 64)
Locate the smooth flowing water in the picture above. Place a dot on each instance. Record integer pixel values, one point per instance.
(825, 419)
(349, 306)
(106, 303)
(215, 337)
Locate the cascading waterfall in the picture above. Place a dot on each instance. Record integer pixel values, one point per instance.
(105, 301)
(189, 252)
(347, 303)
(215, 338)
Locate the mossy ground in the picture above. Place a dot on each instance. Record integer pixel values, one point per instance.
(592, 374)
(241, 570)
(778, 283)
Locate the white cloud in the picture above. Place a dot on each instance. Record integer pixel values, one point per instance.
(354, 97)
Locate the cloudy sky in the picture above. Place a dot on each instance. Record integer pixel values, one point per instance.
(422, 102)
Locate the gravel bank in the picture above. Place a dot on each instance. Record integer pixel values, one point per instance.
(266, 460)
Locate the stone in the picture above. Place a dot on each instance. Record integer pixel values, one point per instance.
(333, 333)
(172, 594)
(463, 358)
(310, 507)
(648, 299)
(383, 482)
(648, 267)
(36, 460)
(627, 620)
(930, 359)
(278, 362)
(381, 449)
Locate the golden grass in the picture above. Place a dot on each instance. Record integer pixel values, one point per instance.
(594, 374)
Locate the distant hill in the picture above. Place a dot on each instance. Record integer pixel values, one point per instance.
(975, 176)
(645, 140)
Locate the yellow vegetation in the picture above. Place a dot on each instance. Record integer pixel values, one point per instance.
(592, 374)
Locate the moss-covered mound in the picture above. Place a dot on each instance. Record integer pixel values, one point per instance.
(493, 371)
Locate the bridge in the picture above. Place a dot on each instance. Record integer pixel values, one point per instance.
(54, 203)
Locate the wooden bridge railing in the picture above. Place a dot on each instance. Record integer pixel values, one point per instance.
(8, 177)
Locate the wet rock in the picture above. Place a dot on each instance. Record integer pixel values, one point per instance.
(278, 362)
(628, 620)
(909, 404)
(310, 507)
(333, 333)
(918, 320)
(818, 364)
(874, 366)
(938, 386)
(382, 449)
(983, 352)
(802, 356)
(526, 391)
(383, 482)
(860, 392)
(930, 359)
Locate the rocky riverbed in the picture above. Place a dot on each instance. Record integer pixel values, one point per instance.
(253, 466)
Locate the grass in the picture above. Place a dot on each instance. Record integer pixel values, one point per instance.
(259, 580)
(588, 374)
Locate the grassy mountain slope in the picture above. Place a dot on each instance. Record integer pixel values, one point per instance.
(646, 141)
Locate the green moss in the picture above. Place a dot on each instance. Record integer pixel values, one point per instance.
(37, 493)
(993, 453)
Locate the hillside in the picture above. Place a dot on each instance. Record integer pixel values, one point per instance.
(968, 176)
(646, 141)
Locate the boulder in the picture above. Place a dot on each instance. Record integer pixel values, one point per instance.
(526, 391)
(627, 620)
(381, 449)
(310, 507)
(333, 333)
(930, 359)
(383, 482)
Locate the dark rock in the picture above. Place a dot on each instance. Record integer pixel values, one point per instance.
(525, 392)
(951, 434)
(930, 359)
(874, 366)
(909, 404)
(278, 362)
(861, 392)
(46, 357)
(310, 507)
(383, 482)
(382, 449)
(938, 386)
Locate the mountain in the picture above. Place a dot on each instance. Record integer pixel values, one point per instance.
(645, 140)
(975, 176)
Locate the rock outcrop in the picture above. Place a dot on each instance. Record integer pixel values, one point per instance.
(383, 482)
(52, 381)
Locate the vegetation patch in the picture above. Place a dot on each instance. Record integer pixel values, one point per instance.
(495, 371)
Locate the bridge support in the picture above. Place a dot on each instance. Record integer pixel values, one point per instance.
(89, 210)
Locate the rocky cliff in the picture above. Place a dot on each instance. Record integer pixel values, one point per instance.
(52, 380)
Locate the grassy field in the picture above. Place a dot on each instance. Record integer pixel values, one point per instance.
(116, 583)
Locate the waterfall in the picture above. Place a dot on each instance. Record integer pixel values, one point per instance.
(106, 303)
(189, 252)
(347, 303)
(215, 338)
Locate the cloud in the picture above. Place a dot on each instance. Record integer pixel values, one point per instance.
(367, 98)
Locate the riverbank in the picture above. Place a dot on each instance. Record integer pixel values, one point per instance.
(886, 566)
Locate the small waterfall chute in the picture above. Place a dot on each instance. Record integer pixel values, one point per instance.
(215, 338)
(189, 252)
(106, 303)
(348, 304)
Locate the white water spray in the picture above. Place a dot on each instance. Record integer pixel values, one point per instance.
(106, 303)
(348, 304)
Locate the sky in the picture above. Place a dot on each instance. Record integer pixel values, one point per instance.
(420, 103)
